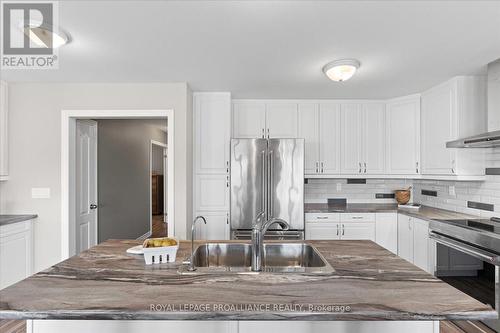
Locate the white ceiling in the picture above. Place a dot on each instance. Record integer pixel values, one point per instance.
(275, 49)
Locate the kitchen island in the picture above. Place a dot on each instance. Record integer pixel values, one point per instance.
(369, 283)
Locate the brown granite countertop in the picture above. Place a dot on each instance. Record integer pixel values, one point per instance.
(425, 212)
(369, 283)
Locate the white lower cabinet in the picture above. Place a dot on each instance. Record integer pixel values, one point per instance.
(143, 326)
(386, 231)
(16, 252)
(340, 226)
(414, 244)
(217, 227)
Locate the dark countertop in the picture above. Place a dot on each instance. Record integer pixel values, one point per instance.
(370, 283)
(9, 219)
(425, 212)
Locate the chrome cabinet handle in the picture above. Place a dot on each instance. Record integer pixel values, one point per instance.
(317, 167)
(322, 169)
(268, 133)
(357, 217)
(264, 176)
(359, 167)
(263, 133)
(93, 206)
(322, 217)
(227, 218)
(227, 166)
(365, 167)
(337, 229)
(343, 230)
(416, 167)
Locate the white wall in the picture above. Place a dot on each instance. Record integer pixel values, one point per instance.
(35, 144)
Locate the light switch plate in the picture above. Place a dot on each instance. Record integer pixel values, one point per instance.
(40, 193)
(339, 187)
(451, 190)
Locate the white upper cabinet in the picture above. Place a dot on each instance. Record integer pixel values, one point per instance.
(363, 138)
(249, 119)
(4, 146)
(403, 136)
(319, 126)
(329, 138)
(373, 138)
(452, 110)
(309, 131)
(265, 119)
(212, 112)
(351, 139)
(281, 120)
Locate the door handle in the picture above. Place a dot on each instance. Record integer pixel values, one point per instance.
(93, 206)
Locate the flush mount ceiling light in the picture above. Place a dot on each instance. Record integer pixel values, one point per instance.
(41, 34)
(341, 70)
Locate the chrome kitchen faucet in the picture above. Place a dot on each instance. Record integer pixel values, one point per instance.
(259, 229)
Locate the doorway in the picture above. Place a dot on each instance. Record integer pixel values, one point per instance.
(69, 119)
(158, 186)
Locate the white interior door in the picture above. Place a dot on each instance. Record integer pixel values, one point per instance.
(86, 184)
(165, 184)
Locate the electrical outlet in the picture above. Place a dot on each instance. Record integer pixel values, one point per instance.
(451, 190)
(40, 193)
(339, 187)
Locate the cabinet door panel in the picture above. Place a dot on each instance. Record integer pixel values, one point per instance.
(438, 108)
(421, 244)
(319, 230)
(212, 193)
(373, 138)
(282, 120)
(358, 231)
(212, 132)
(386, 231)
(329, 141)
(249, 119)
(405, 238)
(217, 227)
(403, 136)
(308, 130)
(16, 256)
(4, 146)
(350, 140)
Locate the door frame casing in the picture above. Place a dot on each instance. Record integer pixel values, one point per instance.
(68, 161)
(165, 188)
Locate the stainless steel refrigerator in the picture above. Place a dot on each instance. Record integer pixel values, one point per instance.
(267, 175)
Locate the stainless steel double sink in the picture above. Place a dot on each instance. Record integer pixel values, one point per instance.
(236, 258)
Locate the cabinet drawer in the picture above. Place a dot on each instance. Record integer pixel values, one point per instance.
(357, 217)
(322, 217)
(322, 230)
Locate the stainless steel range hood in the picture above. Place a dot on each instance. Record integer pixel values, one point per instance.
(485, 140)
(491, 138)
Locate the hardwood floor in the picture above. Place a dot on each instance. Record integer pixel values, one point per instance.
(159, 227)
(12, 326)
(464, 327)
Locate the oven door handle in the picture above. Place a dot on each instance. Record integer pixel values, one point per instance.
(466, 248)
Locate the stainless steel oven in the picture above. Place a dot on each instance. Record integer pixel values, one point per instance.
(468, 258)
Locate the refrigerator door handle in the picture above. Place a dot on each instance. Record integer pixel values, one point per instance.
(271, 184)
(264, 189)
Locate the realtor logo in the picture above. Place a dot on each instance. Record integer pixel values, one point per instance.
(28, 32)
